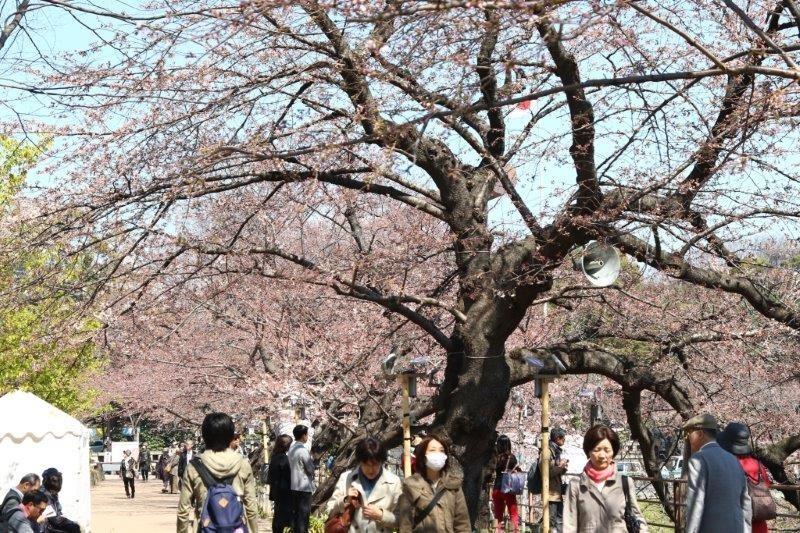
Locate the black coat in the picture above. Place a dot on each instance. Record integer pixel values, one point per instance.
(279, 477)
(10, 504)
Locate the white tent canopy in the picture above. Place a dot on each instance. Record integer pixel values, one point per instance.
(34, 436)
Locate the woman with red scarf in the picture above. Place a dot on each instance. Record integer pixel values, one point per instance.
(595, 502)
(735, 439)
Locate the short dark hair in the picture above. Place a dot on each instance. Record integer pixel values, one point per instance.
(282, 444)
(422, 447)
(370, 449)
(34, 496)
(299, 431)
(597, 434)
(52, 479)
(217, 431)
(30, 479)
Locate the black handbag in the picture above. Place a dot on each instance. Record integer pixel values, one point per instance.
(631, 522)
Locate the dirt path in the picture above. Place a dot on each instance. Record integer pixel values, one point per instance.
(150, 512)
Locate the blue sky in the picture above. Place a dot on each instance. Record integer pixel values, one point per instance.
(53, 32)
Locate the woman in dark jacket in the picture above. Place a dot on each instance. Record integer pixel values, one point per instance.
(506, 461)
(735, 439)
(279, 479)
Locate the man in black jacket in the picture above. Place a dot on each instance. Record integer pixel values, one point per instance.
(13, 499)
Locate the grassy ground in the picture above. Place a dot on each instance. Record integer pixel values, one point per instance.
(654, 514)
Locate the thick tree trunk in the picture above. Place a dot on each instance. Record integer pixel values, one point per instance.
(774, 457)
(471, 410)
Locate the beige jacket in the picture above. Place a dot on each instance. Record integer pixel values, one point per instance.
(450, 515)
(384, 495)
(588, 510)
(173, 464)
(222, 465)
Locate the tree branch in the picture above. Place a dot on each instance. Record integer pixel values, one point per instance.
(14, 22)
(589, 195)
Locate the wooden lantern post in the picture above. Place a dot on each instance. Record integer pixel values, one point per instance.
(544, 456)
(406, 408)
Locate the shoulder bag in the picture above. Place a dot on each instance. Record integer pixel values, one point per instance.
(340, 522)
(631, 522)
(762, 503)
(425, 512)
(512, 482)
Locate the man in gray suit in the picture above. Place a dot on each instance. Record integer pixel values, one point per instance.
(717, 500)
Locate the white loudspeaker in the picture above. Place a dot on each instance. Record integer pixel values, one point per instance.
(600, 264)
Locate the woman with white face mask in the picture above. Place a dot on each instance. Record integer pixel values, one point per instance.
(432, 500)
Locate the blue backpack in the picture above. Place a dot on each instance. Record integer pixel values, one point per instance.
(223, 511)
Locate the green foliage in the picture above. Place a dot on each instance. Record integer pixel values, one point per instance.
(158, 437)
(16, 159)
(316, 524)
(656, 518)
(43, 348)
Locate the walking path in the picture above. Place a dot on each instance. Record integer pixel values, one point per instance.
(150, 512)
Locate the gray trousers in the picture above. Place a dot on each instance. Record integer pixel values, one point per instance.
(556, 516)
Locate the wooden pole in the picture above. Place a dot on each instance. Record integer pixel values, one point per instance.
(403, 379)
(544, 457)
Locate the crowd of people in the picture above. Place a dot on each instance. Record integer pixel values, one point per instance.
(370, 498)
(373, 499)
(722, 474)
(727, 487)
(33, 506)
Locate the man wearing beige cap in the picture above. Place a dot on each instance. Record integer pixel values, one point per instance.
(717, 500)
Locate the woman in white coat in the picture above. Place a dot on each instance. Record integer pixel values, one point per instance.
(374, 490)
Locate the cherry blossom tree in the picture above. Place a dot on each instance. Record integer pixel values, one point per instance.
(441, 161)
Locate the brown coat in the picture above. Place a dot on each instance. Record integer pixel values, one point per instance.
(450, 515)
(588, 510)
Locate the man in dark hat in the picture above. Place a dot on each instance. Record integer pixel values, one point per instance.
(558, 467)
(716, 499)
(735, 439)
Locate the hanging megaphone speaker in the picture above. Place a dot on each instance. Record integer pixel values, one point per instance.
(600, 264)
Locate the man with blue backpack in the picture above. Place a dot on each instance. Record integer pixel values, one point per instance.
(218, 484)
